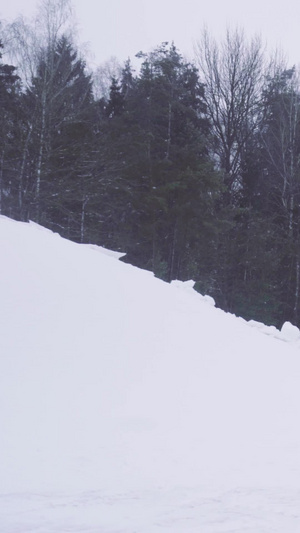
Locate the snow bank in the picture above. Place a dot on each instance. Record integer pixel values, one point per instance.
(188, 287)
(128, 404)
(289, 332)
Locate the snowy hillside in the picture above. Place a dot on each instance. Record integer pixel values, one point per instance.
(128, 405)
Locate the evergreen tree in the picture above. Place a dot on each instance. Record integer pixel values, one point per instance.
(9, 106)
(60, 100)
(115, 106)
(161, 176)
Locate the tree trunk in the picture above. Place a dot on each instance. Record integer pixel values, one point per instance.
(1, 180)
(297, 288)
(169, 131)
(84, 202)
(40, 157)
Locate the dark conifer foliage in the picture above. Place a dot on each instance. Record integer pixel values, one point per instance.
(58, 135)
(194, 174)
(9, 134)
(162, 177)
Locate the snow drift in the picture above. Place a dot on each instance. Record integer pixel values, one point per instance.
(130, 405)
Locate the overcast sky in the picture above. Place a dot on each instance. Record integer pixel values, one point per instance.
(121, 28)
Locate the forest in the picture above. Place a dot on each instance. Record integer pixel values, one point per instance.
(190, 168)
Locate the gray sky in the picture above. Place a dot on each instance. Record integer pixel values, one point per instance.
(123, 27)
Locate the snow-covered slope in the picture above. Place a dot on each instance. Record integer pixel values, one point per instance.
(130, 405)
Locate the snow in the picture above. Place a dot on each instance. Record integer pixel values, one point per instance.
(129, 405)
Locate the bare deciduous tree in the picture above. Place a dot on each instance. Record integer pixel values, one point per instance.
(103, 75)
(26, 41)
(280, 137)
(33, 48)
(232, 72)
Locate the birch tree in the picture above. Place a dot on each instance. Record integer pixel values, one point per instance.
(26, 40)
(280, 136)
(33, 45)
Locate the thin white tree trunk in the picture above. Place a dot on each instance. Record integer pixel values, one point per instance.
(169, 131)
(297, 288)
(22, 170)
(41, 150)
(1, 180)
(85, 201)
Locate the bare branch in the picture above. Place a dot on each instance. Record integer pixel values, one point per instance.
(233, 75)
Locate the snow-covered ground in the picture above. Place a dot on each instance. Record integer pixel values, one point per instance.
(128, 405)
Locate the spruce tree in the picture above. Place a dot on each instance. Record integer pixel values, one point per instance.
(60, 99)
(9, 107)
(159, 175)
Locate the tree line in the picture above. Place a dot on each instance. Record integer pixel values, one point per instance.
(192, 169)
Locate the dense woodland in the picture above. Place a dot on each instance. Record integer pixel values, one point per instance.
(192, 169)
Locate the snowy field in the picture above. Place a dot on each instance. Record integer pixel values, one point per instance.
(128, 405)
